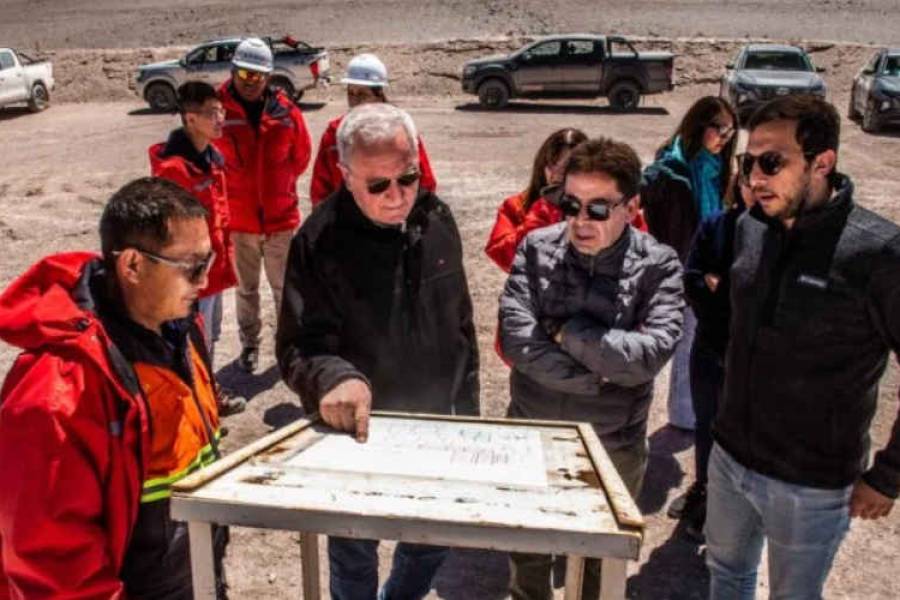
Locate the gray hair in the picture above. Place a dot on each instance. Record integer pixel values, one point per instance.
(374, 124)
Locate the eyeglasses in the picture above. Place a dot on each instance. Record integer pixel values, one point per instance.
(725, 132)
(770, 163)
(192, 271)
(212, 113)
(381, 184)
(249, 76)
(598, 209)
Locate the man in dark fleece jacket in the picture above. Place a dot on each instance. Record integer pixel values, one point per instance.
(590, 314)
(377, 314)
(815, 300)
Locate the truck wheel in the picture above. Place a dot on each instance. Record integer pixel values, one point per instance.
(161, 97)
(40, 98)
(281, 83)
(870, 122)
(493, 93)
(624, 96)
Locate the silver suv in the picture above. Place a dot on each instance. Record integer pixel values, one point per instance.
(298, 67)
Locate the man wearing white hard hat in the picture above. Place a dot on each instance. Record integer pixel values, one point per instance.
(366, 79)
(266, 147)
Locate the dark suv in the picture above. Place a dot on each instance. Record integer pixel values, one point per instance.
(570, 66)
(761, 72)
(875, 95)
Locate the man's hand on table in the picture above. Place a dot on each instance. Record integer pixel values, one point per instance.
(347, 406)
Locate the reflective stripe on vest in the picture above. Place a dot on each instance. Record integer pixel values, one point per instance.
(160, 488)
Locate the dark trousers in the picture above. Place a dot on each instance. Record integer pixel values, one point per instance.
(530, 573)
(354, 570)
(707, 377)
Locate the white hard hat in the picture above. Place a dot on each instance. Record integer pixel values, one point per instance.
(253, 54)
(366, 69)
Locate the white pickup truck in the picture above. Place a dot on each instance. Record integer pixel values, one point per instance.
(24, 80)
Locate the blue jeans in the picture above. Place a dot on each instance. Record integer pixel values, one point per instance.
(803, 527)
(354, 570)
(681, 410)
(707, 375)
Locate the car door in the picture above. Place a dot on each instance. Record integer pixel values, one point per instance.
(537, 68)
(581, 70)
(12, 79)
(200, 64)
(866, 80)
(220, 70)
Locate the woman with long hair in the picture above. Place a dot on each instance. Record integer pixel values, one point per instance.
(527, 210)
(685, 185)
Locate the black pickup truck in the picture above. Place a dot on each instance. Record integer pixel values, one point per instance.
(571, 66)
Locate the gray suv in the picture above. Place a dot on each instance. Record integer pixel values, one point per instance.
(298, 67)
(761, 72)
(875, 95)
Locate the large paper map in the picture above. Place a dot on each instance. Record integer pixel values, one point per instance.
(435, 449)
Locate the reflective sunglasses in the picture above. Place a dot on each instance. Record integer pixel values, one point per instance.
(598, 209)
(193, 271)
(725, 132)
(380, 185)
(213, 113)
(250, 76)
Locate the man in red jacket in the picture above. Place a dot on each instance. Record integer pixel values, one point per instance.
(266, 147)
(110, 402)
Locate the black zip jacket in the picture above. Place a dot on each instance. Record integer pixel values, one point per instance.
(388, 305)
(712, 253)
(815, 313)
(668, 202)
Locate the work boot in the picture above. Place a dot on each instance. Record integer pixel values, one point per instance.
(249, 360)
(229, 403)
(686, 502)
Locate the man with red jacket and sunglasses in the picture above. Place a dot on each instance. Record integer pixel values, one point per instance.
(266, 147)
(189, 159)
(110, 403)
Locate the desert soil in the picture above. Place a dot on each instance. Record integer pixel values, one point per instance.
(60, 166)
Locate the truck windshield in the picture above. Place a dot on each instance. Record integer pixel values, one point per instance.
(892, 66)
(777, 61)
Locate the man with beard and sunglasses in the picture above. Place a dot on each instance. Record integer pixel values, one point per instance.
(590, 314)
(815, 305)
(109, 404)
(377, 314)
(266, 147)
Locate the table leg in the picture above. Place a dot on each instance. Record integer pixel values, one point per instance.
(309, 559)
(574, 576)
(613, 574)
(203, 572)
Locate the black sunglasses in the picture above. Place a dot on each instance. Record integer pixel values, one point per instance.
(598, 209)
(381, 184)
(770, 163)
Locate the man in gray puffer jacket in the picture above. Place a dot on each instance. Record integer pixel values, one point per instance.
(590, 314)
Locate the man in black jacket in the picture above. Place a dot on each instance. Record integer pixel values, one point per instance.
(815, 297)
(377, 314)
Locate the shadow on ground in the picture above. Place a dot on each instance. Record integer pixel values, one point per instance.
(550, 108)
(244, 384)
(13, 112)
(674, 570)
(663, 470)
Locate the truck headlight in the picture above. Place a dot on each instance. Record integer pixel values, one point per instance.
(469, 70)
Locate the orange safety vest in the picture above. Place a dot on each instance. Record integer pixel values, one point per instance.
(182, 438)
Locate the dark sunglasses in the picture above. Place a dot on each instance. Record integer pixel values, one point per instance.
(193, 271)
(381, 184)
(249, 76)
(598, 209)
(770, 163)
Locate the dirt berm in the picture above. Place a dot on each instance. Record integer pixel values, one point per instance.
(98, 75)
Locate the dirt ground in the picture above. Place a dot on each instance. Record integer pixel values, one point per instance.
(69, 159)
(114, 24)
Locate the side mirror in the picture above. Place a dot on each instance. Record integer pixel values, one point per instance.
(729, 66)
(820, 69)
(868, 71)
(182, 61)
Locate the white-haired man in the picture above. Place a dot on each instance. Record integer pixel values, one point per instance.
(377, 313)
